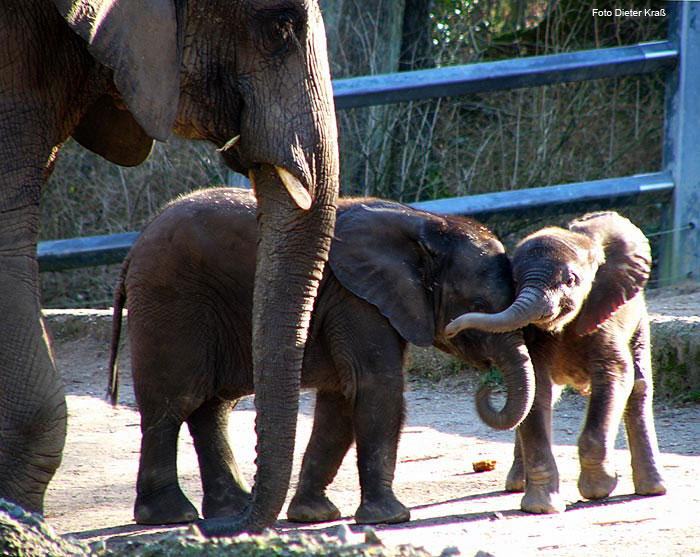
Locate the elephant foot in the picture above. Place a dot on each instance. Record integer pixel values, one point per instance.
(651, 484)
(167, 506)
(226, 504)
(515, 482)
(540, 501)
(542, 491)
(596, 480)
(385, 511)
(310, 508)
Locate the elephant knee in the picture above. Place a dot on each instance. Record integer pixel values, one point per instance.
(641, 388)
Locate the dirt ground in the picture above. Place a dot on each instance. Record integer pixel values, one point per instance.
(92, 494)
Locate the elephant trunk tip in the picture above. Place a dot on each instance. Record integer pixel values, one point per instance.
(474, 320)
(504, 419)
(227, 526)
(217, 527)
(520, 391)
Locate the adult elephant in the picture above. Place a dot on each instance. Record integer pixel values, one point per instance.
(116, 75)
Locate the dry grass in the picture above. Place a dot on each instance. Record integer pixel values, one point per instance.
(514, 139)
(87, 196)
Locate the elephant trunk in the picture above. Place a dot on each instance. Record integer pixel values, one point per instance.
(528, 307)
(288, 279)
(519, 377)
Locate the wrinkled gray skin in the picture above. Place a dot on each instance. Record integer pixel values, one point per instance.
(396, 275)
(114, 75)
(579, 293)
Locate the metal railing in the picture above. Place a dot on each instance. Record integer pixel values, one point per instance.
(502, 75)
(679, 56)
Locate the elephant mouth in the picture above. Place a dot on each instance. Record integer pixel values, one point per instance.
(545, 321)
(555, 321)
(233, 158)
(466, 346)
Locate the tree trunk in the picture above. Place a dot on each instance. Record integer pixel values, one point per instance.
(416, 38)
(364, 38)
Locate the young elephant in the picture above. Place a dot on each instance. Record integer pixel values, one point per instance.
(579, 292)
(395, 275)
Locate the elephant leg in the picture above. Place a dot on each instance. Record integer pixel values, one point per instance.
(535, 434)
(225, 490)
(379, 414)
(164, 361)
(32, 400)
(610, 389)
(516, 475)
(159, 498)
(639, 419)
(331, 437)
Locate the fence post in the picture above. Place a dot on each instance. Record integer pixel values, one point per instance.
(680, 252)
(237, 180)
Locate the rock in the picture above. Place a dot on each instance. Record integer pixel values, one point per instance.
(25, 534)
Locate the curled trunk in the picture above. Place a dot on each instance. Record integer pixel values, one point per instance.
(512, 356)
(519, 378)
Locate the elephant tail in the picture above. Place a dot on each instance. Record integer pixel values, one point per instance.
(119, 302)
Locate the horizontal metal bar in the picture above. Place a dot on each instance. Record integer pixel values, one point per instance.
(61, 255)
(611, 189)
(533, 71)
(504, 74)
(89, 251)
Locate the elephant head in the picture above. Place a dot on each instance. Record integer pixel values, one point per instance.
(421, 270)
(575, 277)
(250, 76)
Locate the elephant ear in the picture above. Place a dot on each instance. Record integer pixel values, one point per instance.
(381, 254)
(139, 41)
(624, 272)
(113, 133)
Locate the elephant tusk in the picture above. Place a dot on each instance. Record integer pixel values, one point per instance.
(296, 190)
(230, 143)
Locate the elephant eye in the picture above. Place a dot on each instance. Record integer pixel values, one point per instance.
(480, 305)
(279, 28)
(570, 279)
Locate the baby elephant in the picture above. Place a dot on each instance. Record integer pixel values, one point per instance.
(395, 275)
(579, 292)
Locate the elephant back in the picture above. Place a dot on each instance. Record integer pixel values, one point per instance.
(208, 233)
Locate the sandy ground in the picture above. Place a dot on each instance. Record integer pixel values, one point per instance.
(92, 494)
